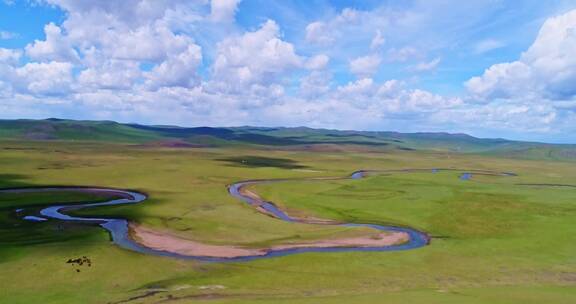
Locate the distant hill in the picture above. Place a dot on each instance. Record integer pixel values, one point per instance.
(290, 138)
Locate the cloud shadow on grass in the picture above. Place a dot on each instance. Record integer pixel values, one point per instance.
(262, 162)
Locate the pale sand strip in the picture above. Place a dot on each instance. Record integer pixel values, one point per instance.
(166, 242)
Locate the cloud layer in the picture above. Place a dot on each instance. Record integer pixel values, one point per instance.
(192, 63)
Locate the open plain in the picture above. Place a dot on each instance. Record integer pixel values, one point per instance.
(494, 238)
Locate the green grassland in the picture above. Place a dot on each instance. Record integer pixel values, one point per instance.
(494, 241)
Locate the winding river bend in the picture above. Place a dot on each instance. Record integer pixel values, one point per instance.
(120, 232)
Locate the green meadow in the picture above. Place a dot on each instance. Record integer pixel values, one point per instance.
(493, 240)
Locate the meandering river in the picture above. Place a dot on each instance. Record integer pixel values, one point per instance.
(120, 235)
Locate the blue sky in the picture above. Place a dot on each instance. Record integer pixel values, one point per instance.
(490, 68)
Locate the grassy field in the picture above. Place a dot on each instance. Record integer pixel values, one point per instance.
(494, 241)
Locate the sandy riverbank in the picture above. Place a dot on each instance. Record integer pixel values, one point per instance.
(170, 243)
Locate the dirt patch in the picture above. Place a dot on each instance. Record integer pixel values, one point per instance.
(170, 243)
(373, 240)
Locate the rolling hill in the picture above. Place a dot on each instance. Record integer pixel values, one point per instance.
(285, 138)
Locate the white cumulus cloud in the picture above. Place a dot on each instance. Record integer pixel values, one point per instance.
(46, 78)
(317, 62)
(255, 57)
(55, 47)
(223, 10)
(365, 66)
(547, 68)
